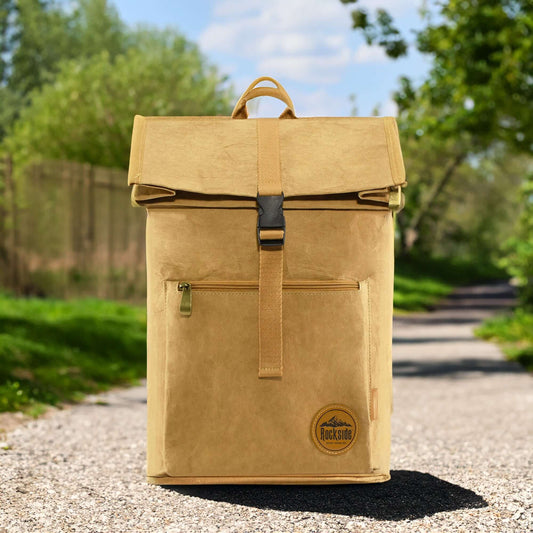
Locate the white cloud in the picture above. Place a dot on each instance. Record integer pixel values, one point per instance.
(235, 7)
(394, 7)
(319, 69)
(303, 40)
(370, 54)
(307, 41)
(308, 104)
(389, 109)
(320, 103)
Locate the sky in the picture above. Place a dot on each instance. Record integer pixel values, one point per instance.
(307, 45)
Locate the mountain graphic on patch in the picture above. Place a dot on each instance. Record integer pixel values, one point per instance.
(334, 422)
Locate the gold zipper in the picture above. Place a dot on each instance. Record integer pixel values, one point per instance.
(186, 288)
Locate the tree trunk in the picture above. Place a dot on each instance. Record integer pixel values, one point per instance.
(411, 232)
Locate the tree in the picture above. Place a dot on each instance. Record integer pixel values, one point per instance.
(6, 7)
(96, 26)
(86, 113)
(36, 35)
(479, 210)
(36, 39)
(477, 94)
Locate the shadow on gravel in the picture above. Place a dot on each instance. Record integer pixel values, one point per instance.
(453, 368)
(408, 494)
(429, 319)
(432, 340)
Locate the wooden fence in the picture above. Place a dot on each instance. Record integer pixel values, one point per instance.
(68, 230)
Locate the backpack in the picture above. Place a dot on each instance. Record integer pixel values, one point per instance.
(269, 251)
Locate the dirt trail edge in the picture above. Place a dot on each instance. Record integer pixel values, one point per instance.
(461, 453)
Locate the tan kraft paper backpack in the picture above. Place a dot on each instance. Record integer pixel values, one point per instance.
(269, 247)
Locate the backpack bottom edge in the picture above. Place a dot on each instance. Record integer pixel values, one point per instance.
(315, 479)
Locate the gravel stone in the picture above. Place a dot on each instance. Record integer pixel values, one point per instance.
(461, 453)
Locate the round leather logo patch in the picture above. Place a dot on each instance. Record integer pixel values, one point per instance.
(334, 429)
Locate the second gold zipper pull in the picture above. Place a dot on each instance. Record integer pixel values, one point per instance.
(186, 298)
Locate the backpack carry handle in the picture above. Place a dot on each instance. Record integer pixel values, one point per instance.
(240, 110)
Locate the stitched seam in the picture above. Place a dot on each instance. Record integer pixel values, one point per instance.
(259, 314)
(257, 143)
(370, 349)
(260, 292)
(321, 292)
(280, 296)
(279, 156)
(388, 149)
(391, 150)
(142, 148)
(166, 395)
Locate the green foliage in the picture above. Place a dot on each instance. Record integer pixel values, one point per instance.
(472, 112)
(452, 270)
(479, 82)
(519, 256)
(515, 334)
(480, 79)
(380, 30)
(36, 35)
(13, 397)
(86, 113)
(95, 27)
(53, 351)
(6, 7)
(478, 211)
(36, 40)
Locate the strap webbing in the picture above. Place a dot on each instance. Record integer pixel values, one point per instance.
(270, 257)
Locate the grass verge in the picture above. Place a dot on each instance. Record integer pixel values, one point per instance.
(54, 351)
(514, 333)
(421, 281)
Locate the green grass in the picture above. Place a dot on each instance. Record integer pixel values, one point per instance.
(417, 294)
(514, 332)
(54, 351)
(421, 281)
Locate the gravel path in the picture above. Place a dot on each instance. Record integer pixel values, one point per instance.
(461, 455)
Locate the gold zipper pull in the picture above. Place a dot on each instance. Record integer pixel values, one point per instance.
(186, 298)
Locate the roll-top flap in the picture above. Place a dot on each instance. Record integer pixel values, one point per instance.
(218, 155)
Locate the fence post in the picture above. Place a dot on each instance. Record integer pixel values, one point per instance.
(13, 234)
(111, 238)
(90, 211)
(3, 223)
(65, 203)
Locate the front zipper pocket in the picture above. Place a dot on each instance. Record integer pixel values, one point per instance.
(186, 288)
(262, 427)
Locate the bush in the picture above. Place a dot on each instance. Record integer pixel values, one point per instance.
(519, 258)
(514, 332)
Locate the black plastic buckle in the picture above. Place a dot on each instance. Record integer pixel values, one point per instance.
(270, 216)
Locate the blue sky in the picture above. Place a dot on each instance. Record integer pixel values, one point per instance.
(306, 44)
